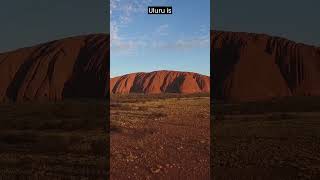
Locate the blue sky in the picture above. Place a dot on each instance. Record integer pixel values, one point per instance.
(27, 23)
(144, 43)
(293, 19)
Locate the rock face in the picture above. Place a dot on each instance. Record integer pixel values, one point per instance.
(244, 67)
(74, 67)
(160, 82)
(250, 67)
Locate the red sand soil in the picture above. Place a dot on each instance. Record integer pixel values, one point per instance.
(160, 82)
(160, 138)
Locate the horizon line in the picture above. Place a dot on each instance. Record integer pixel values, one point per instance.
(158, 71)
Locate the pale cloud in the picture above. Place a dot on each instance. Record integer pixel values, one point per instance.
(131, 44)
(182, 44)
(114, 4)
(122, 16)
(162, 30)
(127, 9)
(196, 42)
(119, 43)
(123, 44)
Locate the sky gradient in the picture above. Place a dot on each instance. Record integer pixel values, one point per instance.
(144, 43)
(26, 23)
(292, 19)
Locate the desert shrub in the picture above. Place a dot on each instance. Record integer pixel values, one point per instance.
(115, 105)
(64, 115)
(142, 108)
(287, 116)
(54, 143)
(99, 146)
(161, 106)
(18, 138)
(219, 117)
(157, 115)
(125, 107)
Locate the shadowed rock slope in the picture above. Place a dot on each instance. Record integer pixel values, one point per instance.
(160, 82)
(250, 67)
(244, 66)
(75, 67)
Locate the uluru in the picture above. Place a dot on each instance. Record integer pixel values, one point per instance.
(244, 67)
(253, 67)
(75, 67)
(158, 82)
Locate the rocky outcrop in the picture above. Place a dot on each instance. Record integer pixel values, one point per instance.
(244, 67)
(160, 82)
(75, 67)
(250, 67)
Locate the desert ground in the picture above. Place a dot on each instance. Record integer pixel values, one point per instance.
(63, 140)
(277, 139)
(160, 137)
